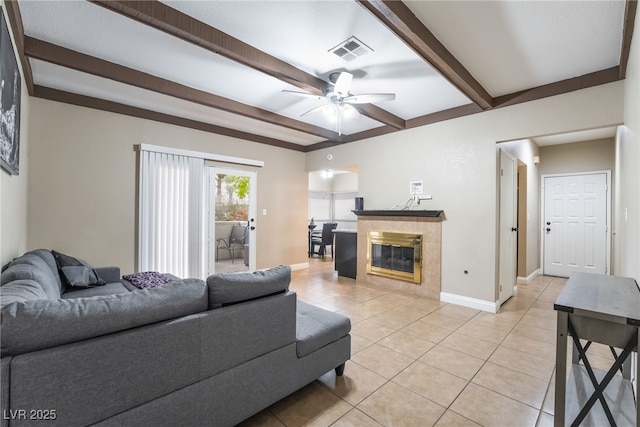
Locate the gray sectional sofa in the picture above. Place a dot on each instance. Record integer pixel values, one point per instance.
(188, 353)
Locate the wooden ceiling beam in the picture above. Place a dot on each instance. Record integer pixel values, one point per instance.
(383, 116)
(404, 24)
(173, 22)
(15, 21)
(128, 110)
(439, 116)
(627, 33)
(58, 55)
(598, 78)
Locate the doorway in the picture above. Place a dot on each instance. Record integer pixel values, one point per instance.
(232, 194)
(508, 227)
(575, 230)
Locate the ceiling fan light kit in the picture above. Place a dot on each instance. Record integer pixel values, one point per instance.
(339, 101)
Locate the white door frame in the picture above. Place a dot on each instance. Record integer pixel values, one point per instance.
(608, 219)
(253, 210)
(504, 224)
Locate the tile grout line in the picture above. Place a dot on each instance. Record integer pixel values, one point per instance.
(416, 359)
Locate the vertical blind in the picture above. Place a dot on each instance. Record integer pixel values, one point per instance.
(171, 216)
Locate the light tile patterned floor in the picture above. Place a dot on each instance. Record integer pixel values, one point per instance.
(420, 362)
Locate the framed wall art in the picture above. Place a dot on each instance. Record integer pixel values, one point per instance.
(10, 82)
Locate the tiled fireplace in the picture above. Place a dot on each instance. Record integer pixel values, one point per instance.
(423, 225)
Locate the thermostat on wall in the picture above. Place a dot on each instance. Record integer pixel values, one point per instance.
(415, 187)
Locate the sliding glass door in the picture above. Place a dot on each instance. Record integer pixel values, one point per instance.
(231, 219)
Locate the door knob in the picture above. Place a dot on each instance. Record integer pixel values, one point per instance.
(252, 228)
(514, 229)
(548, 229)
(548, 223)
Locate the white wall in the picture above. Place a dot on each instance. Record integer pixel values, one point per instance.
(14, 188)
(627, 225)
(83, 184)
(456, 159)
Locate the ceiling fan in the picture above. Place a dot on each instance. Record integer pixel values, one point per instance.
(338, 103)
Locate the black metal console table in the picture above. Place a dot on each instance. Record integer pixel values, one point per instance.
(603, 309)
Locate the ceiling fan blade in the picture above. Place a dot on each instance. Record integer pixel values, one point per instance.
(318, 108)
(367, 98)
(343, 84)
(305, 95)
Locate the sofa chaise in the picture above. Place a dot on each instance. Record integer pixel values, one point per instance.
(188, 353)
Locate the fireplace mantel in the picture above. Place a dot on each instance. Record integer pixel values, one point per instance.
(406, 213)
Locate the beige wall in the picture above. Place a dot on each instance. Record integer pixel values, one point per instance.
(345, 183)
(318, 183)
(456, 159)
(14, 188)
(82, 184)
(577, 157)
(627, 227)
(338, 183)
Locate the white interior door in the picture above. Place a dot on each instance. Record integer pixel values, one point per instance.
(575, 227)
(245, 196)
(508, 225)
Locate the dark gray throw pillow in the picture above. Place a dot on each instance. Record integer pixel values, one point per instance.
(76, 273)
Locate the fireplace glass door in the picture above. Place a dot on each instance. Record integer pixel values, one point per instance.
(395, 255)
(398, 258)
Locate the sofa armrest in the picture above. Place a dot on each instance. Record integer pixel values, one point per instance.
(109, 274)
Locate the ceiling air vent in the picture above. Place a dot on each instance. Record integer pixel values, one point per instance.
(351, 49)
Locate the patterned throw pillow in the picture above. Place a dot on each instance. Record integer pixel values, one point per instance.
(148, 279)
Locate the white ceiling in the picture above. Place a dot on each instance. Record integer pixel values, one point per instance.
(518, 45)
(506, 46)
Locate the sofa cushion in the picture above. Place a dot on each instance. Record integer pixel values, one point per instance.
(108, 289)
(37, 324)
(76, 273)
(32, 267)
(232, 288)
(316, 327)
(46, 256)
(109, 274)
(21, 290)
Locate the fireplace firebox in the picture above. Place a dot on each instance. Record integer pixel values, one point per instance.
(395, 255)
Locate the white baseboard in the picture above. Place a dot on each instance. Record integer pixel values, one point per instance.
(301, 266)
(478, 304)
(528, 279)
